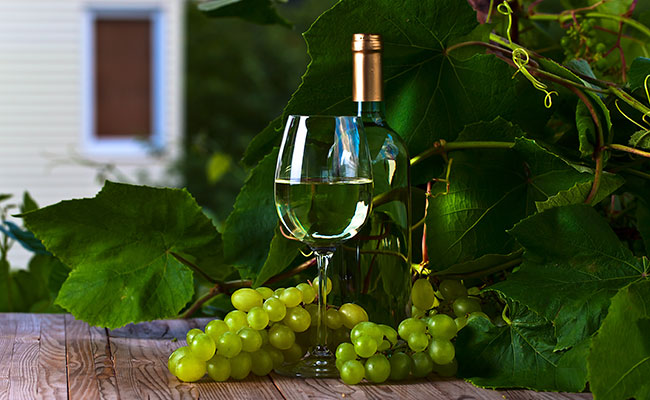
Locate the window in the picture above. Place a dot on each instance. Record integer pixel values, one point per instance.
(123, 82)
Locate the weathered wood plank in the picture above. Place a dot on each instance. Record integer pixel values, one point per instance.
(141, 351)
(91, 373)
(52, 382)
(23, 369)
(7, 338)
(530, 395)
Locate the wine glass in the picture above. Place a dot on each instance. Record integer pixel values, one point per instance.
(323, 194)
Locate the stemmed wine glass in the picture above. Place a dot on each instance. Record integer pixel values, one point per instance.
(323, 194)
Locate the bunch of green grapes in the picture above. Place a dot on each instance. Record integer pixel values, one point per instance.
(422, 343)
(270, 327)
(581, 41)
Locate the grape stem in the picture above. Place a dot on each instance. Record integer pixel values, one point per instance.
(627, 149)
(226, 287)
(482, 273)
(568, 16)
(441, 147)
(194, 267)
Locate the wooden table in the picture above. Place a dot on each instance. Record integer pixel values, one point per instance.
(54, 356)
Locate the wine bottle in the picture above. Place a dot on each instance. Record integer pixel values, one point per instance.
(376, 268)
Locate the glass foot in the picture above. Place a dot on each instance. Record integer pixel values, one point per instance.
(312, 366)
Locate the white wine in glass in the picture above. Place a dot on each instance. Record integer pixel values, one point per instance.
(323, 194)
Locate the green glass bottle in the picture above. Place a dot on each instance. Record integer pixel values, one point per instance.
(376, 264)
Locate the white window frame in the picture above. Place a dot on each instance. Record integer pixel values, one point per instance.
(129, 147)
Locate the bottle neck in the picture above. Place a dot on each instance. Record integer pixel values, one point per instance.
(371, 110)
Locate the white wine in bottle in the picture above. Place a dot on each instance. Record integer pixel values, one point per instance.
(376, 264)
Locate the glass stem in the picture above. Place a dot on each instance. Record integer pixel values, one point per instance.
(323, 258)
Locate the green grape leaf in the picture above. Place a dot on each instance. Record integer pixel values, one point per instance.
(415, 35)
(263, 143)
(573, 264)
(5, 196)
(639, 70)
(586, 130)
(5, 294)
(32, 289)
(121, 247)
(518, 355)
(641, 139)
(489, 192)
(282, 252)
(249, 228)
(258, 11)
(579, 192)
(619, 361)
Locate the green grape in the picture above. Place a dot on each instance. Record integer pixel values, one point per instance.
(236, 320)
(216, 328)
(478, 314)
(298, 319)
(565, 42)
(417, 313)
(460, 322)
(275, 309)
(312, 309)
(202, 347)
(452, 290)
(276, 356)
(229, 345)
(447, 370)
(314, 283)
(352, 372)
(339, 364)
(377, 368)
(264, 334)
(418, 341)
(191, 333)
(333, 319)
(218, 368)
(389, 333)
(601, 48)
(190, 369)
(257, 318)
(400, 366)
(240, 365)
(265, 292)
(345, 352)
(308, 292)
(591, 42)
(175, 356)
(465, 305)
(441, 351)
(365, 346)
(293, 353)
(442, 326)
(383, 346)
(366, 328)
(410, 326)
(245, 298)
(277, 292)
(291, 297)
(422, 294)
(473, 291)
(251, 340)
(602, 63)
(281, 336)
(352, 314)
(263, 362)
(422, 364)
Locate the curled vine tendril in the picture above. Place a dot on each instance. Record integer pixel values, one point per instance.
(647, 93)
(521, 58)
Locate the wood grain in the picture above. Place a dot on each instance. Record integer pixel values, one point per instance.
(52, 380)
(58, 357)
(23, 368)
(7, 337)
(91, 373)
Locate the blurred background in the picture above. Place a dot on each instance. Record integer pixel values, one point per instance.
(148, 92)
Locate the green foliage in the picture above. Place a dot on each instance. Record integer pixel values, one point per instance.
(520, 354)
(258, 11)
(621, 370)
(126, 253)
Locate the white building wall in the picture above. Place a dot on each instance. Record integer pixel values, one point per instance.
(42, 55)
